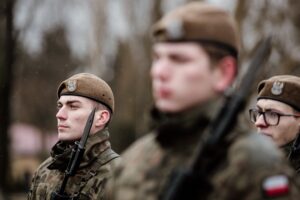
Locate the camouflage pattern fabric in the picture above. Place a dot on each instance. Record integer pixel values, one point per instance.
(250, 167)
(88, 183)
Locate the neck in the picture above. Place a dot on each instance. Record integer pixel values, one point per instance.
(172, 128)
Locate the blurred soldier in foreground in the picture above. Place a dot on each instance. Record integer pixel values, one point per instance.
(77, 97)
(277, 114)
(194, 63)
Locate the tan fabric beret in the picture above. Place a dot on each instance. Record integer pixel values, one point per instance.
(283, 88)
(89, 86)
(198, 21)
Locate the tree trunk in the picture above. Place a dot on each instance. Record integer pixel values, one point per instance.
(7, 58)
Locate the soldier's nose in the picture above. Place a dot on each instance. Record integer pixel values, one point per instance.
(61, 114)
(160, 70)
(260, 121)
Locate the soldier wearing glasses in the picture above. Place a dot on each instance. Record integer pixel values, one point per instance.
(277, 114)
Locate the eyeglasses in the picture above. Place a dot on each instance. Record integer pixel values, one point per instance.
(271, 118)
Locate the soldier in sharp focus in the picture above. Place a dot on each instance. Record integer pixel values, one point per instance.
(277, 114)
(77, 97)
(195, 53)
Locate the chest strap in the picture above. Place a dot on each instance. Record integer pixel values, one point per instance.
(85, 186)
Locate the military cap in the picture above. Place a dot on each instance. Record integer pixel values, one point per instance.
(283, 88)
(198, 21)
(89, 86)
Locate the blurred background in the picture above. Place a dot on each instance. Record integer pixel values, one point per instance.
(45, 41)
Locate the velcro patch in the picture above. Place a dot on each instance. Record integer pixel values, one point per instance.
(276, 186)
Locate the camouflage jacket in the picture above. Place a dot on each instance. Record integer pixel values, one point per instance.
(251, 165)
(93, 172)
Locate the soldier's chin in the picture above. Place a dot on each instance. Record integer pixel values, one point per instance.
(167, 106)
(70, 137)
(64, 137)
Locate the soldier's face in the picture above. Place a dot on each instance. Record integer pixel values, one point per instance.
(72, 115)
(288, 126)
(182, 76)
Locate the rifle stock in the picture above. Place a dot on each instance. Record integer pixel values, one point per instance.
(183, 182)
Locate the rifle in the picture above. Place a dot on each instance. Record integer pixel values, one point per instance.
(76, 156)
(187, 183)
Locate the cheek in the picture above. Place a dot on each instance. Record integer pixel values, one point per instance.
(194, 88)
(198, 80)
(78, 122)
(293, 130)
(194, 76)
(188, 84)
(287, 132)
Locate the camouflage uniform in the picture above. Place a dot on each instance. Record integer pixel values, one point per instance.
(251, 160)
(88, 183)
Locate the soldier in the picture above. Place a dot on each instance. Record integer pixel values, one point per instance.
(277, 114)
(194, 63)
(77, 97)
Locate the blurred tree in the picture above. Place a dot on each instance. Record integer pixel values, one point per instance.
(7, 43)
(36, 81)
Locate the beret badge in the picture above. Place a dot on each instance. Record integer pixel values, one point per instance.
(71, 85)
(277, 88)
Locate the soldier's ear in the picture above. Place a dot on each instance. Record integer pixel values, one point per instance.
(225, 73)
(101, 117)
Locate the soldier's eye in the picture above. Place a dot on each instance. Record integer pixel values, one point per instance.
(179, 58)
(74, 107)
(273, 114)
(58, 106)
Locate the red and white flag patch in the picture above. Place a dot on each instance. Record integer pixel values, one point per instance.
(276, 186)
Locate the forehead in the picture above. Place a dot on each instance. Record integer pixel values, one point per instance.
(273, 104)
(71, 98)
(180, 47)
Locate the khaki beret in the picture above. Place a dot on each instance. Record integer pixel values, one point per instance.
(283, 88)
(198, 21)
(89, 86)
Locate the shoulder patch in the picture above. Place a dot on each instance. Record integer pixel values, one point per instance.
(276, 186)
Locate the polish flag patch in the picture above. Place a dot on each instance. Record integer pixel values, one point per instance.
(276, 186)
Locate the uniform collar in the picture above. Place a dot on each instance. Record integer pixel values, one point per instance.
(176, 128)
(61, 151)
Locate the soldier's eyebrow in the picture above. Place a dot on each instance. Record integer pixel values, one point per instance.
(267, 109)
(258, 107)
(68, 102)
(262, 109)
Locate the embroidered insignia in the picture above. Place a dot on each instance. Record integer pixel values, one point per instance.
(276, 186)
(175, 29)
(277, 88)
(71, 85)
